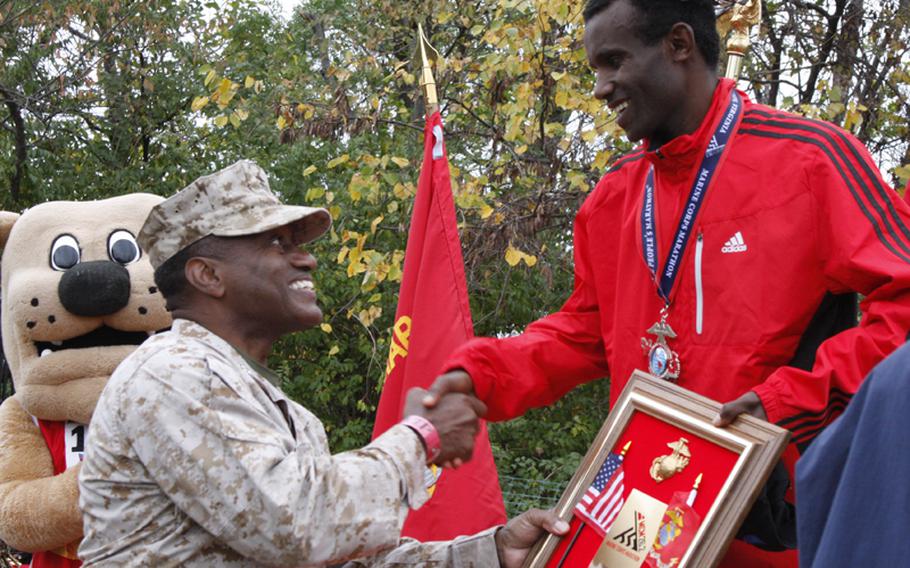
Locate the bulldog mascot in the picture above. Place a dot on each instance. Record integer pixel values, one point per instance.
(78, 296)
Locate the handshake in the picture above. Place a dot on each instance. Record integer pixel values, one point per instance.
(452, 408)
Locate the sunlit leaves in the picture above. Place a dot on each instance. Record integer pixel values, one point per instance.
(199, 103)
(514, 256)
(337, 161)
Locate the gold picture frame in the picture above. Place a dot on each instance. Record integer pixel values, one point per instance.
(756, 447)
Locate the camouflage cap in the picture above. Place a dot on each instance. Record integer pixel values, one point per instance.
(233, 202)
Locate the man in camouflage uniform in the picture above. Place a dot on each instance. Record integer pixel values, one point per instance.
(197, 458)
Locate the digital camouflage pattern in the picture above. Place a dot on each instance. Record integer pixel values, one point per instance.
(194, 459)
(232, 202)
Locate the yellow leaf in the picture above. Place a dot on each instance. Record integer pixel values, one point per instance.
(485, 211)
(335, 211)
(392, 207)
(375, 224)
(309, 170)
(513, 255)
(369, 315)
(281, 122)
(221, 120)
(249, 82)
(521, 149)
(326, 327)
(600, 162)
(903, 173)
(242, 114)
(235, 120)
(342, 254)
(337, 161)
(557, 75)
(375, 298)
(334, 350)
(210, 77)
(314, 193)
(199, 103)
(400, 162)
(225, 92)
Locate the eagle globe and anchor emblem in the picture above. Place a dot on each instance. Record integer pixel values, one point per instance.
(663, 362)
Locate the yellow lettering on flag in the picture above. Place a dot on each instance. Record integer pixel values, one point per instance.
(400, 340)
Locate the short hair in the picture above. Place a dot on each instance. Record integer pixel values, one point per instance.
(659, 16)
(170, 277)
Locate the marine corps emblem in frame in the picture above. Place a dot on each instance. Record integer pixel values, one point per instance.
(666, 466)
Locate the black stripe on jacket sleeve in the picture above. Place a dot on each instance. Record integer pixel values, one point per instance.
(888, 226)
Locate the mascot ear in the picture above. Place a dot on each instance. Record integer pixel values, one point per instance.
(6, 225)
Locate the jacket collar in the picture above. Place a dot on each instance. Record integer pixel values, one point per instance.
(685, 151)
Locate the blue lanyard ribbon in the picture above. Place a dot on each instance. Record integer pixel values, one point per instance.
(696, 197)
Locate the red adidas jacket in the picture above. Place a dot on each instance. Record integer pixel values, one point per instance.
(797, 221)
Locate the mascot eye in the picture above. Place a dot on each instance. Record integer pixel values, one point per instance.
(65, 252)
(122, 247)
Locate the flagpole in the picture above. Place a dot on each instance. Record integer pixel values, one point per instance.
(694, 492)
(427, 82)
(745, 15)
(622, 454)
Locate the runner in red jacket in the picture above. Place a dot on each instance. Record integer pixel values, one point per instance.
(796, 221)
(798, 218)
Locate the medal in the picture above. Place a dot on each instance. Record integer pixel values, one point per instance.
(663, 362)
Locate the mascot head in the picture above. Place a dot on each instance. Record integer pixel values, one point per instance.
(78, 297)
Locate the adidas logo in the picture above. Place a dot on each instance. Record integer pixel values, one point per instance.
(735, 244)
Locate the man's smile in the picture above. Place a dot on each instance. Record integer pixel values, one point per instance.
(302, 285)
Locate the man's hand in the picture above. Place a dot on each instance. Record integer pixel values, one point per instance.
(456, 381)
(514, 541)
(456, 419)
(748, 403)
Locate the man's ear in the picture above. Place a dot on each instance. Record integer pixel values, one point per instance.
(205, 275)
(681, 42)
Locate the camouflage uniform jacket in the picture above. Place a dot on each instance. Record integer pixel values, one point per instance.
(194, 459)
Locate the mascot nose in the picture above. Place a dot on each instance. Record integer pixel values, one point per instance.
(95, 288)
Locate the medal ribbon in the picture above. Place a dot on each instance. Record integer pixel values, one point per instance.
(696, 197)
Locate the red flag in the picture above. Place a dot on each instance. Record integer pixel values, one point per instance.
(676, 532)
(432, 319)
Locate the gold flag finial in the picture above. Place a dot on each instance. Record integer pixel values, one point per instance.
(697, 481)
(738, 19)
(625, 448)
(428, 55)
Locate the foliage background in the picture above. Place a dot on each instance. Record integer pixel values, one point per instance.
(108, 97)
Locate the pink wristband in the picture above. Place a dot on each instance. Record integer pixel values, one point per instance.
(427, 433)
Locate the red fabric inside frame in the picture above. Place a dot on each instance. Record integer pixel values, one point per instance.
(649, 437)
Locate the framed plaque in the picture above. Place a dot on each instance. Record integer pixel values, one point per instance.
(661, 486)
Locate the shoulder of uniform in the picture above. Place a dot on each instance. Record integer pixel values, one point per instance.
(626, 159)
(611, 182)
